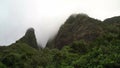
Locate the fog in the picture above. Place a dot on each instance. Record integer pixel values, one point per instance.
(46, 16)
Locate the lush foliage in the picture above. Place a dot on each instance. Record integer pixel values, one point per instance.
(102, 52)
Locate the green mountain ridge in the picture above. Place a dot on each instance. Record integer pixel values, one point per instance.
(82, 42)
(76, 28)
(82, 27)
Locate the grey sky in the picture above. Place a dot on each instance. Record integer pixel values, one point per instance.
(46, 16)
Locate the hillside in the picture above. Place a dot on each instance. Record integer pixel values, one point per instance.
(82, 27)
(18, 55)
(81, 42)
(75, 28)
(85, 42)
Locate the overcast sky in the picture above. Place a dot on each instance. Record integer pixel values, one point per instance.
(46, 16)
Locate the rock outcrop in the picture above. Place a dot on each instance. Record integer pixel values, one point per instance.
(29, 38)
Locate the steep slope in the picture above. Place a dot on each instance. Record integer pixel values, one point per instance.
(114, 21)
(29, 38)
(77, 27)
(24, 53)
(112, 25)
(82, 50)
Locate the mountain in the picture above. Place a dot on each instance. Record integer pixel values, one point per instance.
(83, 27)
(22, 53)
(82, 42)
(76, 27)
(29, 38)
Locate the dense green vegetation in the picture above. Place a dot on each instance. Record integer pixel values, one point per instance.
(101, 52)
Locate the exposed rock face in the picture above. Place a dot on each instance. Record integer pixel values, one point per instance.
(77, 27)
(29, 38)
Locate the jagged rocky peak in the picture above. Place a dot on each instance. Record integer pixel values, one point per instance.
(30, 38)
